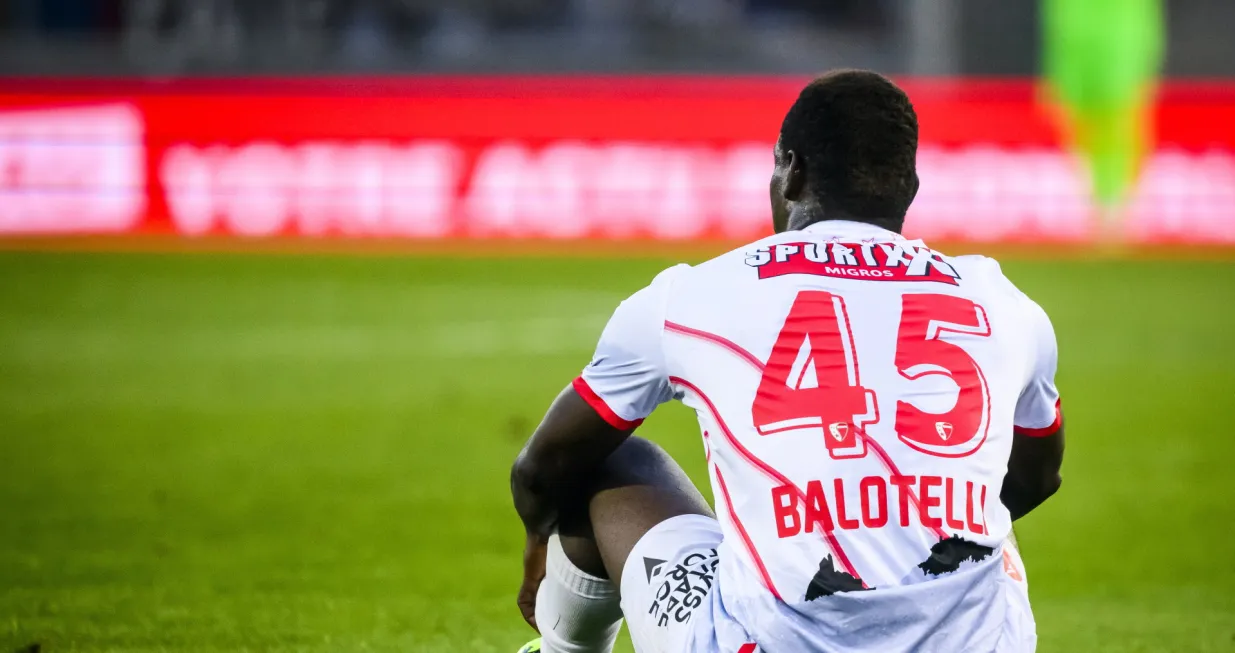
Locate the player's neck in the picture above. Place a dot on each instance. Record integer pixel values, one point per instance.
(805, 215)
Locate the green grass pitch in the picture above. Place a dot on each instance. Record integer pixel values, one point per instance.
(310, 453)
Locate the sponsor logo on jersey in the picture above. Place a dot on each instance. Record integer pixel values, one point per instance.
(870, 261)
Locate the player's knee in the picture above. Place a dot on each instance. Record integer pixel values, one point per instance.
(637, 453)
(637, 462)
(659, 484)
(579, 547)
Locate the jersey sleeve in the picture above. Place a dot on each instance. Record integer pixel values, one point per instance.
(627, 378)
(1038, 412)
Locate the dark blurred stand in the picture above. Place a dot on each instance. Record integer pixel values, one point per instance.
(932, 37)
(173, 37)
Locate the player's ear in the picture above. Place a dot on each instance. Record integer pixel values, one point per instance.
(795, 177)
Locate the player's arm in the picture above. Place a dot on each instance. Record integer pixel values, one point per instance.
(1033, 472)
(570, 444)
(587, 422)
(572, 441)
(625, 381)
(1037, 440)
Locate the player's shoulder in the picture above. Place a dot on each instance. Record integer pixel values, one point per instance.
(669, 274)
(720, 275)
(737, 258)
(981, 270)
(710, 271)
(652, 298)
(664, 280)
(990, 280)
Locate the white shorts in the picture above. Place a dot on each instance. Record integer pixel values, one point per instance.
(1020, 631)
(671, 600)
(668, 583)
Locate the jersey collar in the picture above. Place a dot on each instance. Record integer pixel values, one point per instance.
(851, 230)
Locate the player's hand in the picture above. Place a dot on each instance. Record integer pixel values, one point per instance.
(534, 555)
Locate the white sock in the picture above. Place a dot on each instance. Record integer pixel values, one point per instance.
(576, 611)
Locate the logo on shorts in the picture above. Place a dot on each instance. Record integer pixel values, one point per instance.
(653, 567)
(685, 586)
(1009, 567)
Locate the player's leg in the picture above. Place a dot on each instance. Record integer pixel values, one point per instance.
(639, 487)
(578, 606)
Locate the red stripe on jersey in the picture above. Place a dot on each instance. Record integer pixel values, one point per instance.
(883, 456)
(1046, 431)
(750, 546)
(606, 413)
(747, 648)
(720, 340)
(768, 471)
(757, 364)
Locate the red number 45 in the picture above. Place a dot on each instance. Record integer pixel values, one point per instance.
(812, 378)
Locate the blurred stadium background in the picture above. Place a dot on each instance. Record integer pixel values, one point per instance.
(284, 285)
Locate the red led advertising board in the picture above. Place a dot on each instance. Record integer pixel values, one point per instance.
(664, 158)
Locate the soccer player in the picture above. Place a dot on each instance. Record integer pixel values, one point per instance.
(875, 415)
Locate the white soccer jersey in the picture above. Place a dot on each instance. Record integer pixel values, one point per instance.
(857, 394)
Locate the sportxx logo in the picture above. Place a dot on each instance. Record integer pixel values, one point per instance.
(869, 261)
